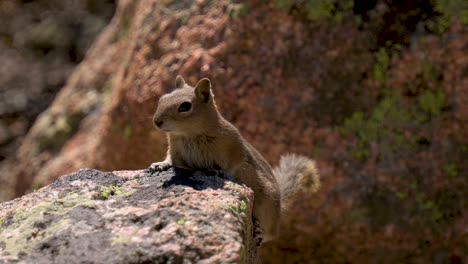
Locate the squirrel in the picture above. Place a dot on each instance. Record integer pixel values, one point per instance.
(200, 138)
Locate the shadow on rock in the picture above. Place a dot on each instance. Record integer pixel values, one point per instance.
(201, 180)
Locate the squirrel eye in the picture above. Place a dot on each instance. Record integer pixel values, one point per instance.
(184, 107)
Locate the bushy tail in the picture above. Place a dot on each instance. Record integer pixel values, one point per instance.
(295, 173)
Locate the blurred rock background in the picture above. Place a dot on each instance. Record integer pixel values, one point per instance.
(375, 91)
(41, 42)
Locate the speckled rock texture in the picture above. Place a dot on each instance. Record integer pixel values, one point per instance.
(175, 216)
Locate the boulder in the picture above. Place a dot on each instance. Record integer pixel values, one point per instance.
(386, 124)
(175, 216)
(41, 42)
(107, 104)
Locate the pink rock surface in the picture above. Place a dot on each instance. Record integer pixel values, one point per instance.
(131, 217)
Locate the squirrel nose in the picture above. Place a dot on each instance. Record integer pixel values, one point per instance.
(159, 123)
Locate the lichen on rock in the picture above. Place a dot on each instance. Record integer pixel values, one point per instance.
(174, 216)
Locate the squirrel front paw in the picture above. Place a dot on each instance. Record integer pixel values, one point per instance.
(159, 166)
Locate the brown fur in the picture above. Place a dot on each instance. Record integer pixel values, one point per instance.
(202, 138)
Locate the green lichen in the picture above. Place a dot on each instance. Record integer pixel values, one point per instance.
(124, 27)
(123, 129)
(56, 130)
(127, 131)
(243, 254)
(389, 123)
(319, 10)
(447, 206)
(243, 206)
(357, 215)
(57, 227)
(385, 125)
(401, 195)
(1, 221)
(382, 60)
(184, 20)
(121, 239)
(107, 90)
(240, 210)
(167, 3)
(71, 200)
(181, 222)
(137, 254)
(452, 169)
(464, 149)
(432, 102)
(448, 10)
(382, 207)
(58, 206)
(406, 208)
(382, 64)
(23, 235)
(111, 190)
(316, 152)
(238, 10)
(428, 209)
(37, 186)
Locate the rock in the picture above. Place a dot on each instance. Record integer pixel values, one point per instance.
(91, 216)
(5, 134)
(387, 125)
(41, 42)
(109, 99)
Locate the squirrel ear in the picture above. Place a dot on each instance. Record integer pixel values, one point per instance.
(179, 82)
(202, 89)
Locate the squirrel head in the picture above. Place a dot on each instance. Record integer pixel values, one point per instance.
(186, 110)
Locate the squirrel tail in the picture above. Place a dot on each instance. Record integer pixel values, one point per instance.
(295, 173)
